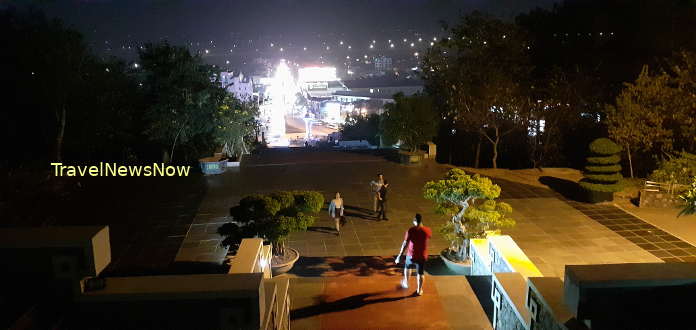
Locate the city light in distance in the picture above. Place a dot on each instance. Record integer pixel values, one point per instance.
(304, 48)
(432, 43)
(372, 46)
(349, 47)
(207, 51)
(412, 44)
(271, 44)
(391, 46)
(340, 43)
(317, 74)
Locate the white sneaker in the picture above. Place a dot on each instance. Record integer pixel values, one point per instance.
(404, 284)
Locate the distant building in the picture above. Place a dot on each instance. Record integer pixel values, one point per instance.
(383, 64)
(368, 96)
(319, 82)
(240, 86)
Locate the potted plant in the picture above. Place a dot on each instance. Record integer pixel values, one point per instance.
(602, 175)
(470, 202)
(273, 217)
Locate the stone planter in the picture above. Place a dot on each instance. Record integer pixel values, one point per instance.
(407, 157)
(235, 163)
(284, 267)
(212, 165)
(598, 196)
(459, 268)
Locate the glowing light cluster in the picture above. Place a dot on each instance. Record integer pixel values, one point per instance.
(317, 74)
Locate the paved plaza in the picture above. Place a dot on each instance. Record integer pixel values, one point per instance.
(342, 279)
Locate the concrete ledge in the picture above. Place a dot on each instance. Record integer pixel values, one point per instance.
(587, 285)
(510, 288)
(506, 256)
(248, 257)
(548, 291)
(176, 287)
(77, 251)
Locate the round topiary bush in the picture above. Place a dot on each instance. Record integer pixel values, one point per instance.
(603, 172)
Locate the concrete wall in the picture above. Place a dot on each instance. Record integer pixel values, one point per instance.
(522, 297)
(545, 304)
(508, 300)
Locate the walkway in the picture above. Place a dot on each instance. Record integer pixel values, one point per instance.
(364, 293)
(338, 282)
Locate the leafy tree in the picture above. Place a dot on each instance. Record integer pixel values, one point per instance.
(478, 73)
(236, 123)
(603, 172)
(566, 101)
(183, 97)
(358, 127)
(638, 120)
(682, 69)
(45, 67)
(470, 201)
(410, 119)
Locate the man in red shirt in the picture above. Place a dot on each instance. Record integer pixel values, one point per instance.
(417, 241)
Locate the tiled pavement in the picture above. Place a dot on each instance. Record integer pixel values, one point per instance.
(551, 230)
(554, 234)
(650, 238)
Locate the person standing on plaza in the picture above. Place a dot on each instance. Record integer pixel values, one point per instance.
(416, 240)
(375, 186)
(336, 211)
(382, 201)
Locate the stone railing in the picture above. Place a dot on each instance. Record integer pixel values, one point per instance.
(664, 195)
(522, 298)
(252, 257)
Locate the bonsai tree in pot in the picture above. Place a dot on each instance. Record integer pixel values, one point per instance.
(603, 172)
(273, 217)
(470, 201)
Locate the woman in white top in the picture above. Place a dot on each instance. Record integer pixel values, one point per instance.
(336, 211)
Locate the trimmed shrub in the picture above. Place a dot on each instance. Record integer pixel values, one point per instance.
(272, 216)
(603, 172)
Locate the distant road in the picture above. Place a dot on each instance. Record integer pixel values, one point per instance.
(296, 126)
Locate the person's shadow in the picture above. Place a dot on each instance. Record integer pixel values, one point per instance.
(358, 212)
(348, 303)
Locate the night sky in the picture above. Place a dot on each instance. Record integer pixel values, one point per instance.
(180, 20)
(235, 33)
